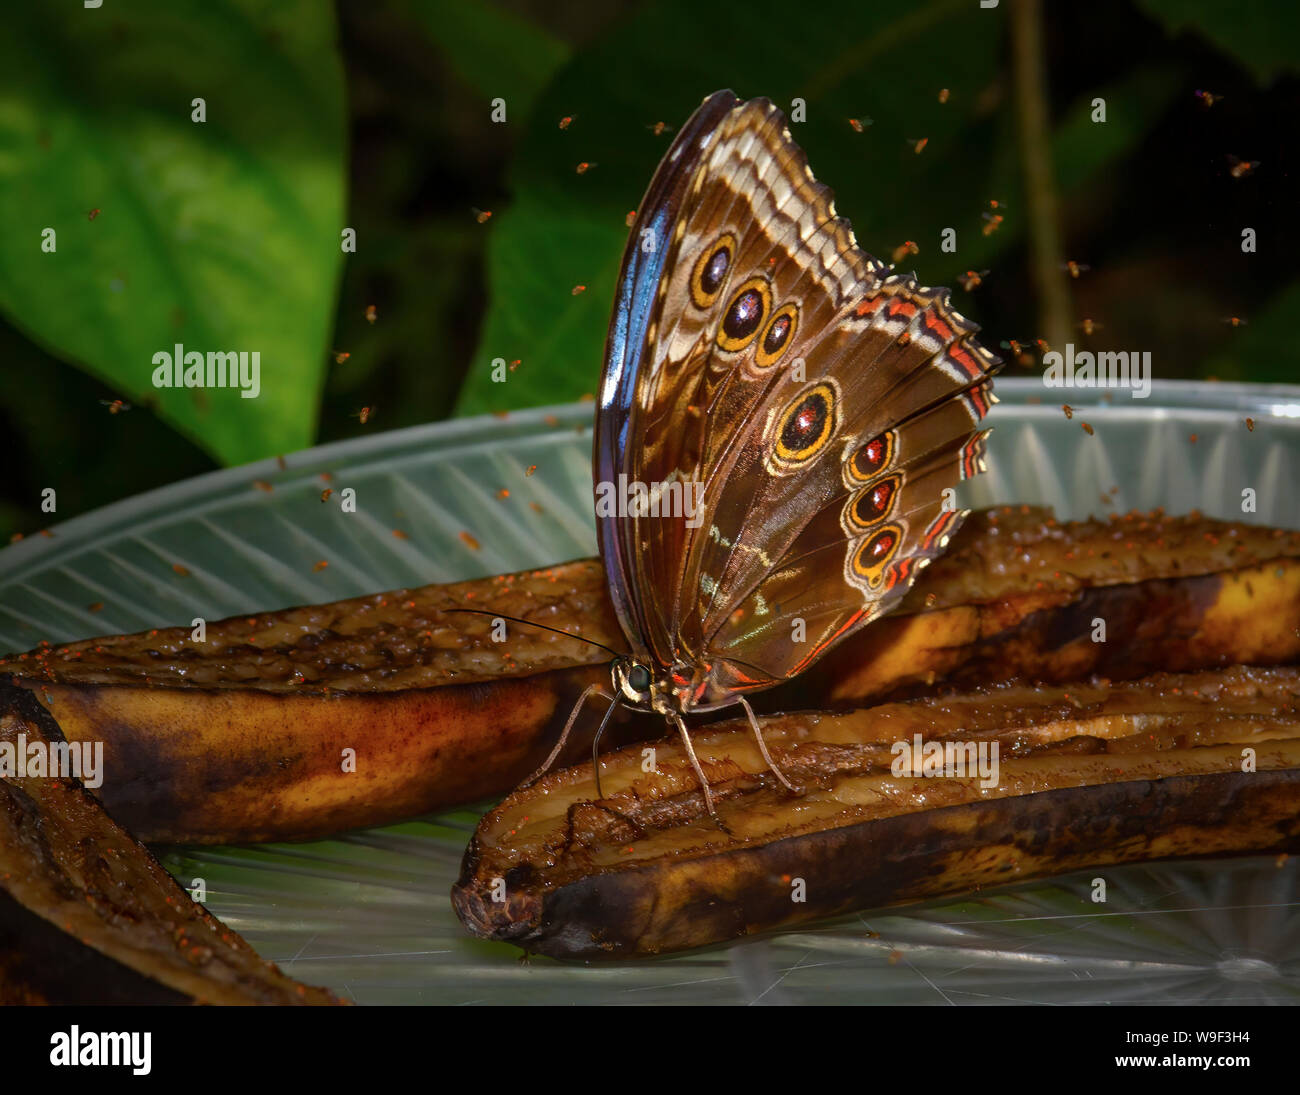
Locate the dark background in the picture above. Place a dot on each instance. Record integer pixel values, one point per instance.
(377, 116)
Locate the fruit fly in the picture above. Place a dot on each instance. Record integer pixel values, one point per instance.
(972, 279)
(341, 356)
(1020, 351)
(1075, 268)
(115, 406)
(92, 214)
(1207, 98)
(1089, 326)
(481, 215)
(567, 121)
(325, 494)
(918, 144)
(943, 94)
(1239, 168)
(859, 124)
(907, 247)
(579, 289)
(584, 167)
(1235, 321)
(364, 414)
(992, 222)
(660, 128)
(372, 313)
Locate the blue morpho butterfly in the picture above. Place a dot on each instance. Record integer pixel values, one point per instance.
(794, 412)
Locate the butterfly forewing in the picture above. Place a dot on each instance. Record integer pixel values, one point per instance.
(620, 436)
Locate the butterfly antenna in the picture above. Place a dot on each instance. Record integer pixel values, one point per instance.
(762, 746)
(695, 763)
(533, 623)
(595, 746)
(564, 735)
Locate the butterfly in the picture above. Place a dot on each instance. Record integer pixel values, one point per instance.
(815, 405)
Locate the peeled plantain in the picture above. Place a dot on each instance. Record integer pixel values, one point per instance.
(296, 723)
(896, 802)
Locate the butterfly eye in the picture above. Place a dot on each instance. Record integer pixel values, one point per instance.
(711, 270)
(779, 335)
(875, 552)
(639, 678)
(871, 504)
(876, 455)
(745, 314)
(805, 427)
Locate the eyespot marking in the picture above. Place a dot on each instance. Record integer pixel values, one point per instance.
(745, 314)
(805, 427)
(711, 269)
(871, 459)
(778, 335)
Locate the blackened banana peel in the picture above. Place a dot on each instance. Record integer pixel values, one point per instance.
(1089, 775)
(88, 915)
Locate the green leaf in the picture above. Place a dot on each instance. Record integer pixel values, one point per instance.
(1263, 37)
(566, 229)
(220, 236)
(496, 52)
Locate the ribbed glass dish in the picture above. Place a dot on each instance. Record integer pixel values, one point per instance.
(367, 913)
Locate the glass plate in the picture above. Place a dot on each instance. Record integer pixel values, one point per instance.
(367, 913)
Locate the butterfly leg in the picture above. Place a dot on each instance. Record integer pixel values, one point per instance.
(595, 745)
(695, 762)
(762, 746)
(564, 736)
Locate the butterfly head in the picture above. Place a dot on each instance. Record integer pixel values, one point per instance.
(634, 683)
(678, 690)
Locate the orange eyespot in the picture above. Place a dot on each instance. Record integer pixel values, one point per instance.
(871, 505)
(805, 427)
(744, 316)
(872, 458)
(874, 553)
(711, 270)
(778, 335)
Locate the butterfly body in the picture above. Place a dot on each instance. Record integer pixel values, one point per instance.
(818, 406)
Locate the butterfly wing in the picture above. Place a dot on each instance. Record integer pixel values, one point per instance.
(823, 404)
(622, 452)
